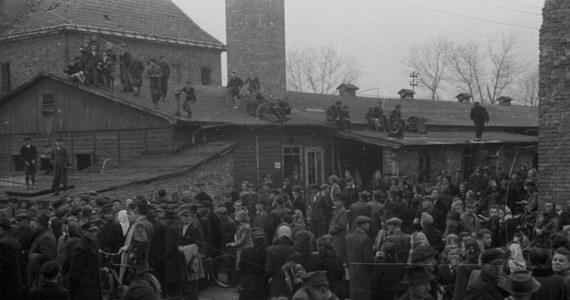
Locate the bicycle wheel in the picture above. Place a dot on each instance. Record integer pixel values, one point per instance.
(153, 281)
(223, 266)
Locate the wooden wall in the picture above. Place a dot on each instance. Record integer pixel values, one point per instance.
(264, 147)
(75, 110)
(119, 146)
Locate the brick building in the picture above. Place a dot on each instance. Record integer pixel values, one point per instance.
(256, 41)
(44, 36)
(554, 108)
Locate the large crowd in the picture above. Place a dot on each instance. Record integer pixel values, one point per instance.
(455, 238)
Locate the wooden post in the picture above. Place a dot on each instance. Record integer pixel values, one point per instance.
(119, 145)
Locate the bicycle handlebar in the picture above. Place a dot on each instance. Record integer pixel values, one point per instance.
(110, 253)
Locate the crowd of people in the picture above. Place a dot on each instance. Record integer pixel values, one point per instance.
(96, 67)
(474, 238)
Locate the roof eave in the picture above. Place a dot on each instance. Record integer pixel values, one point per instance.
(103, 31)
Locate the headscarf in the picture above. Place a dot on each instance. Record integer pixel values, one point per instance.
(516, 260)
(124, 221)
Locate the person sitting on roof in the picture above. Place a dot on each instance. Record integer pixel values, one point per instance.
(380, 121)
(369, 117)
(396, 116)
(284, 105)
(334, 112)
(253, 104)
(344, 121)
(189, 98)
(270, 112)
(74, 72)
(396, 130)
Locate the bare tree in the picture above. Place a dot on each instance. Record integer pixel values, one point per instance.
(466, 71)
(319, 71)
(528, 89)
(504, 65)
(430, 60)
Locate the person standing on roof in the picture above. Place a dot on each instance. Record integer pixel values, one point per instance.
(234, 87)
(253, 84)
(154, 74)
(480, 116)
(165, 72)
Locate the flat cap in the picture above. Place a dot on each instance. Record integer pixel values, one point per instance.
(394, 221)
(221, 210)
(49, 269)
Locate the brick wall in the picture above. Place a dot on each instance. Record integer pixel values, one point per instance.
(256, 41)
(217, 175)
(52, 53)
(554, 105)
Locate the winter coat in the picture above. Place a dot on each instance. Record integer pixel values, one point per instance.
(359, 253)
(552, 285)
(357, 209)
(277, 255)
(337, 229)
(463, 272)
(483, 287)
(479, 114)
(385, 278)
(84, 281)
(11, 281)
(175, 267)
(43, 249)
(253, 282)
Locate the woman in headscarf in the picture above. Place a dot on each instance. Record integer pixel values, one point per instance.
(123, 219)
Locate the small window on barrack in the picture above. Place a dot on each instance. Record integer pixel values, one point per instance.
(48, 103)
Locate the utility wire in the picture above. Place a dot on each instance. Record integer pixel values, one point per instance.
(465, 16)
(507, 8)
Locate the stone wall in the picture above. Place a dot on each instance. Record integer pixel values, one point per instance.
(217, 175)
(256, 41)
(554, 105)
(53, 53)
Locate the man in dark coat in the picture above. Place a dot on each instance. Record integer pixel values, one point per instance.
(50, 289)
(318, 215)
(350, 193)
(213, 222)
(234, 87)
(165, 74)
(253, 84)
(360, 258)
(29, 155)
(485, 284)
(480, 116)
(43, 248)
(356, 210)
(60, 162)
(177, 236)
(202, 195)
(124, 63)
(136, 70)
(11, 282)
(379, 119)
(277, 255)
(84, 281)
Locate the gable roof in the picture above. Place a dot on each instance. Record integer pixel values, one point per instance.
(348, 86)
(444, 113)
(171, 119)
(154, 20)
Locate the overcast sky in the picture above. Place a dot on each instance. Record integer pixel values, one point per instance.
(378, 33)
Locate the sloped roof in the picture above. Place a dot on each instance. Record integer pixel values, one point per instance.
(158, 20)
(348, 86)
(449, 113)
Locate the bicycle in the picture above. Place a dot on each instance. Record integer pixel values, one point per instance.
(220, 269)
(113, 288)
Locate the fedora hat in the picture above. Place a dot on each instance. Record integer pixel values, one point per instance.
(521, 283)
(43, 219)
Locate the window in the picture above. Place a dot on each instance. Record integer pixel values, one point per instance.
(424, 168)
(48, 103)
(83, 161)
(314, 166)
(6, 77)
(206, 75)
(291, 161)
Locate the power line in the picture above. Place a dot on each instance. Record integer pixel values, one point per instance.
(507, 8)
(465, 16)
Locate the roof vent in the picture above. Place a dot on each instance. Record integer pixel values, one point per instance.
(505, 100)
(463, 98)
(406, 94)
(347, 89)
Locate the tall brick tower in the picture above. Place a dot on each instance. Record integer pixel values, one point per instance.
(256, 41)
(554, 97)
